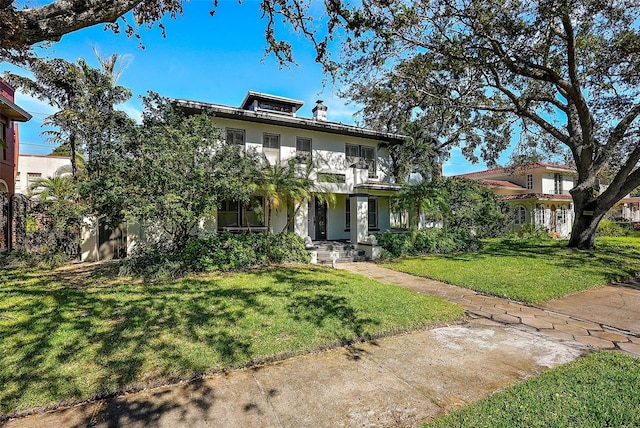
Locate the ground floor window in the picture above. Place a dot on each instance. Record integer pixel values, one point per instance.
(540, 215)
(373, 213)
(233, 214)
(521, 215)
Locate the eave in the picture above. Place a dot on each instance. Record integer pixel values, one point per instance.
(193, 107)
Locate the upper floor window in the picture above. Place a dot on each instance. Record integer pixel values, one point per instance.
(235, 136)
(356, 154)
(303, 148)
(529, 181)
(3, 140)
(32, 177)
(557, 184)
(270, 141)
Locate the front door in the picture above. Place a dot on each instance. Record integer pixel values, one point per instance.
(320, 219)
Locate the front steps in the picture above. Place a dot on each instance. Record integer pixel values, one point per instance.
(345, 252)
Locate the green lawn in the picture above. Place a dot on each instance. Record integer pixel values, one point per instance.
(70, 334)
(530, 271)
(599, 390)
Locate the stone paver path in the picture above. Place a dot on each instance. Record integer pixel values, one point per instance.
(585, 318)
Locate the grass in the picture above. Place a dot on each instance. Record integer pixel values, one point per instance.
(530, 271)
(75, 333)
(601, 389)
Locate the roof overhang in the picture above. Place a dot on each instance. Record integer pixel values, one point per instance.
(194, 107)
(12, 111)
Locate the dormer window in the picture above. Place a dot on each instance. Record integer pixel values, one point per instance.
(272, 106)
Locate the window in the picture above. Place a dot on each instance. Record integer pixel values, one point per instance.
(228, 214)
(303, 149)
(270, 141)
(31, 177)
(540, 215)
(271, 147)
(235, 136)
(369, 155)
(347, 214)
(355, 154)
(562, 215)
(232, 214)
(373, 213)
(521, 215)
(529, 181)
(3, 140)
(557, 184)
(352, 153)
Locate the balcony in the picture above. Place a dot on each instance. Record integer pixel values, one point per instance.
(363, 163)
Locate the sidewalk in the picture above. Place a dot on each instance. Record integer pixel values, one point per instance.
(397, 381)
(603, 318)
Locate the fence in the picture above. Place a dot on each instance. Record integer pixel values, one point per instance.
(30, 225)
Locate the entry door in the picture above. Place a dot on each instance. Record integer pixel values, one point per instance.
(321, 219)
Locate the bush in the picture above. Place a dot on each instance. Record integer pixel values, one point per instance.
(223, 252)
(432, 240)
(529, 231)
(610, 228)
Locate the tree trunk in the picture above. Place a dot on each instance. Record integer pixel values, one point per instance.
(588, 213)
(583, 233)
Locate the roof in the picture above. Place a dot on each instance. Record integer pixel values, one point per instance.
(263, 116)
(510, 171)
(540, 196)
(12, 111)
(259, 96)
(500, 183)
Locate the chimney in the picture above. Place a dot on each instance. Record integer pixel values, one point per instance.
(320, 111)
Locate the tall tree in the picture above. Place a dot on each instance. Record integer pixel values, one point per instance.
(564, 75)
(175, 169)
(84, 96)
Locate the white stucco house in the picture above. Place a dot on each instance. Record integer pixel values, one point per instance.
(347, 161)
(539, 194)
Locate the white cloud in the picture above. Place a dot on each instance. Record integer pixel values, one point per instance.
(132, 111)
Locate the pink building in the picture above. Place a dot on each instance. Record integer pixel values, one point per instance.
(10, 114)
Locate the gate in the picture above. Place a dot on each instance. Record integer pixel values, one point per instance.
(29, 225)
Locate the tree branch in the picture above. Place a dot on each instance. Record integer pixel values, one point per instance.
(49, 23)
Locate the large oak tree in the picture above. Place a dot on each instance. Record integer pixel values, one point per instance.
(564, 75)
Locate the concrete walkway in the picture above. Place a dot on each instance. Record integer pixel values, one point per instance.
(603, 318)
(397, 381)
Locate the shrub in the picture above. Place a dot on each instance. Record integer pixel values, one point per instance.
(434, 240)
(610, 228)
(223, 252)
(529, 231)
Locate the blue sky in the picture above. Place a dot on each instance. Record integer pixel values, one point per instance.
(213, 59)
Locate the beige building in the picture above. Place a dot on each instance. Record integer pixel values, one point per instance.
(539, 194)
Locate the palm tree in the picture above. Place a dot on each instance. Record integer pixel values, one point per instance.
(288, 186)
(84, 96)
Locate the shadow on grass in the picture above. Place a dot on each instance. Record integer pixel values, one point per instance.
(75, 334)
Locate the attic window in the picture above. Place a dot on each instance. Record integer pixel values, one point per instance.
(276, 107)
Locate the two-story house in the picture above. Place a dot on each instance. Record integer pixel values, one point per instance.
(539, 194)
(10, 114)
(347, 161)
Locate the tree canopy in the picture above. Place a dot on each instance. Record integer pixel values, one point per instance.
(563, 76)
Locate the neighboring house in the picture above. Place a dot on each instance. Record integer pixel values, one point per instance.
(539, 194)
(347, 159)
(10, 114)
(33, 167)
